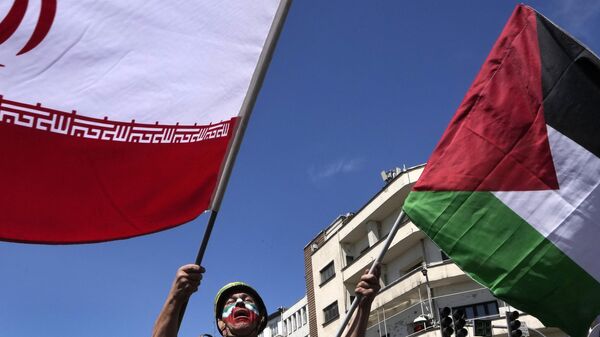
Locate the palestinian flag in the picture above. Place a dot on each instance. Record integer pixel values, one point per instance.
(511, 191)
(116, 117)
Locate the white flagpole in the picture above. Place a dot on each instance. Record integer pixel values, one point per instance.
(245, 111)
(399, 221)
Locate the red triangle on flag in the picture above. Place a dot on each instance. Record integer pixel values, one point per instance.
(497, 140)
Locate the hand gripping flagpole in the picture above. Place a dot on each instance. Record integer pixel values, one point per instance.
(402, 218)
(245, 112)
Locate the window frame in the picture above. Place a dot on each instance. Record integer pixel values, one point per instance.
(475, 311)
(328, 318)
(329, 266)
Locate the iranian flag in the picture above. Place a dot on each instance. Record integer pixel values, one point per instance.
(116, 116)
(511, 191)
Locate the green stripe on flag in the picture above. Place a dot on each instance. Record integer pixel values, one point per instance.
(500, 250)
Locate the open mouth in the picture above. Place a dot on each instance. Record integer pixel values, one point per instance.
(241, 313)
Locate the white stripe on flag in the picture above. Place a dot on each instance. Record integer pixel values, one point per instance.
(568, 217)
(172, 61)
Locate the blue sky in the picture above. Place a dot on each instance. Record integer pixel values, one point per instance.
(355, 87)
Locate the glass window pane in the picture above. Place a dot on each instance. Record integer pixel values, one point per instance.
(492, 308)
(331, 312)
(327, 273)
(480, 310)
(469, 312)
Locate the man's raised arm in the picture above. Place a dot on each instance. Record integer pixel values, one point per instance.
(185, 284)
(367, 287)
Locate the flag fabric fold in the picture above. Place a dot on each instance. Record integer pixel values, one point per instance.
(511, 191)
(116, 117)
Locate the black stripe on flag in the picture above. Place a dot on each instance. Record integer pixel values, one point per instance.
(571, 86)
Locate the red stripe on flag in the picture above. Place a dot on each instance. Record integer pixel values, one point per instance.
(65, 189)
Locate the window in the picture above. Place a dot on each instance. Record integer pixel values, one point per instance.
(480, 309)
(303, 313)
(444, 256)
(349, 259)
(418, 265)
(274, 329)
(331, 312)
(327, 273)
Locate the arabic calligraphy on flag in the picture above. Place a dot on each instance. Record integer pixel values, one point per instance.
(116, 121)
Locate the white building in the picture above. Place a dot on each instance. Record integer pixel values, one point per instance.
(418, 279)
(292, 322)
(274, 326)
(295, 320)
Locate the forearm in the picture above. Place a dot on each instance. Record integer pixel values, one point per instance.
(167, 323)
(358, 325)
(366, 290)
(187, 280)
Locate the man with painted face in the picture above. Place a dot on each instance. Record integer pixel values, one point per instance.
(239, 309)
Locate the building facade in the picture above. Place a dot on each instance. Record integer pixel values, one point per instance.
(291, 322)
(295, 320)
(274, 326)
(418, 279)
